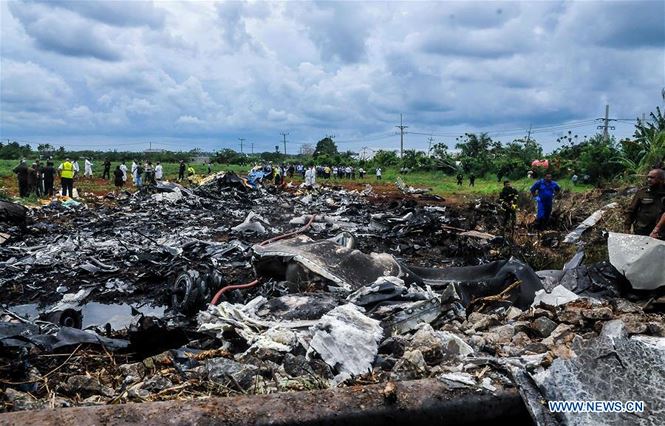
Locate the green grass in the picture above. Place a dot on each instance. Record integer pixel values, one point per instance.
(443, 184)
(440, 183)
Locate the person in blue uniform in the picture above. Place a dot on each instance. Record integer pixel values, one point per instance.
(544, 191)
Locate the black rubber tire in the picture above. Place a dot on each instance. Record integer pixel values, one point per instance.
(185, 298)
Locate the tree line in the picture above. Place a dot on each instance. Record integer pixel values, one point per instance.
(601, 159)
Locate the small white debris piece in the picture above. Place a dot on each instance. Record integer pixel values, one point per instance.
(346, 340)
(559, 295)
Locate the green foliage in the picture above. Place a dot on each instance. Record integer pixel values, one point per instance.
(229, 156)
(14, 151)
(275, 157)
(655, 152)
(596, 157)
(385, 158)
(647, 130)
(416, 160)
(325, 146)
(477, 153)
(442, 160)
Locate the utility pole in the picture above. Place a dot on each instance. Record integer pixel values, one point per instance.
(606, 126)
(607, 122)
(284, 135)
(252, 148)
(401, 128)
(241, 141)
(429, 149)
(528, 134)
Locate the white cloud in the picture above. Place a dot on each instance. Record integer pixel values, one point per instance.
(201, 71)
(188, 119)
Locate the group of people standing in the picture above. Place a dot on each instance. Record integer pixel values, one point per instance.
(35, 180)
(140, 173)
(39, 180)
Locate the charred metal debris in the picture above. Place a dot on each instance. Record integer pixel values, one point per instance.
(233, 288)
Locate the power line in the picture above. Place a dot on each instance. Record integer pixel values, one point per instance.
(580, 123)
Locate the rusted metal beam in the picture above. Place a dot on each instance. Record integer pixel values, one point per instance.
(413, 402)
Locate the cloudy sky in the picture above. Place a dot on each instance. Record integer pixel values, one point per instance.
(94, 74)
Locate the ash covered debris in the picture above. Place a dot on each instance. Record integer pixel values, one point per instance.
(346, 287)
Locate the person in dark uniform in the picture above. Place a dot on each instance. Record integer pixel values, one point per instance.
(107, 169)
(647, 204)
(49, 179)
(22, 176)
(460, 179)
(181, 170)
(472, 180)
(118, 178)
(508, 200)
(33, 180)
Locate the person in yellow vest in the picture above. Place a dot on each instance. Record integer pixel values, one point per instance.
(191, 174)
(67, 174)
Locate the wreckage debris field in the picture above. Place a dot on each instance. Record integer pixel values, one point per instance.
(107, 300)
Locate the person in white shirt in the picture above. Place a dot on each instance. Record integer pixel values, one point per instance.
(378, 173)
(123, 167)
(88, 168)
(310, 177)
(159, 171)
(135, 166)
(77, 169)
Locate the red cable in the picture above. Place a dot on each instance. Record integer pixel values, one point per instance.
(231, 287)
(223, 290)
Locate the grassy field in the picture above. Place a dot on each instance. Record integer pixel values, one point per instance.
(439, 183)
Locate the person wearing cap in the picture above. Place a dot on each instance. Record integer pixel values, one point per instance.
(67, 174)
